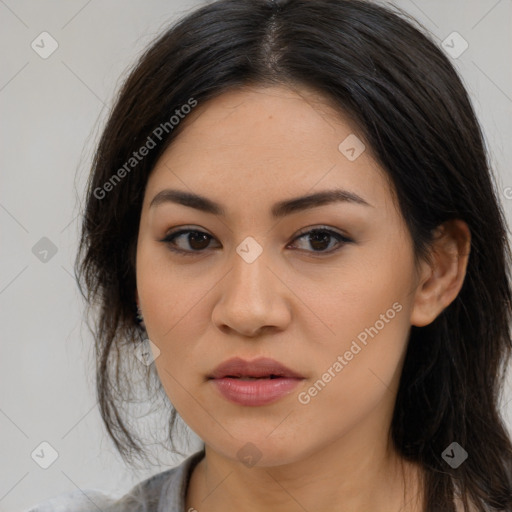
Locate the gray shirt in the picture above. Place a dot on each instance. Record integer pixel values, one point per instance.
(163, 492)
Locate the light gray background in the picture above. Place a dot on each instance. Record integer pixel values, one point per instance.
(52, 111)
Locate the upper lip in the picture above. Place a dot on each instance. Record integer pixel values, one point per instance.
(261, 367)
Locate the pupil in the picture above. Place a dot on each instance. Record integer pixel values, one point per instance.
(195, 235)
(320, 237)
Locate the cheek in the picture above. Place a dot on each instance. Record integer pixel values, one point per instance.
(359, 295)
(367, 308)
(174, 300)
(168, 293)
(347, 390)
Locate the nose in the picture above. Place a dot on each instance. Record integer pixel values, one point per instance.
(252, 299)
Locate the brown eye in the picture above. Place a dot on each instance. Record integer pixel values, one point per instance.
(320, 239)
(192, 241)
(195, 241)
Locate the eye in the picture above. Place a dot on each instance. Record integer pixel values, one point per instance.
(197, 240)
(319, 239)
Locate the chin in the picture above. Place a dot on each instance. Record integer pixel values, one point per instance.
(258, 450)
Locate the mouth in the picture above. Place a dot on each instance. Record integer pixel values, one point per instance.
(254, 383)
(240, 377)
(262, 368)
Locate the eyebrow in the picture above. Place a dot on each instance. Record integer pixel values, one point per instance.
(280, 209)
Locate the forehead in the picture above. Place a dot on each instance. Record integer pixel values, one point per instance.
(267, 142)
(265, 119)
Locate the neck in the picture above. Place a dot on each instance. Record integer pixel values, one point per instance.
(345, 476)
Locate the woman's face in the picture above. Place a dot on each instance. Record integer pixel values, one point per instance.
(253, 283)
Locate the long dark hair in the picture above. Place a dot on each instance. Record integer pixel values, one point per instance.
(414, 113)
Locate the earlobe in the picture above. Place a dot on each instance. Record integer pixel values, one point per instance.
(442, 279)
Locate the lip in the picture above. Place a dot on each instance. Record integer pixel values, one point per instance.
(272, 381)
(261, 367)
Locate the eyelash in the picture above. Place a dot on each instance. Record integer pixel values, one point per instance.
(342, 240)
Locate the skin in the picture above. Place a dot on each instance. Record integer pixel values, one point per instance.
(297, 303)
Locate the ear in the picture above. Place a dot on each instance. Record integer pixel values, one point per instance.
(441, 280)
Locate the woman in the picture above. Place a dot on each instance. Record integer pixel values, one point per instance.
(292, 201)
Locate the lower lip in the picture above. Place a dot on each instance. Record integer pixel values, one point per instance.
(255, 392)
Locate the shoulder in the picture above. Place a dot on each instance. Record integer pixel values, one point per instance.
(76, 501)
(164, 491)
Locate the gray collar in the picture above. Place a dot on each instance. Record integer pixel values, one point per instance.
(174, 491)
